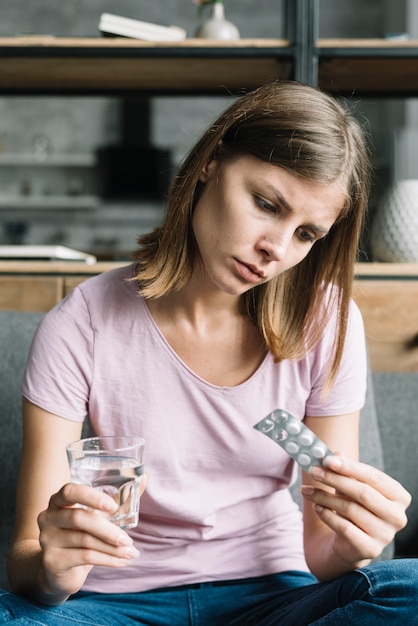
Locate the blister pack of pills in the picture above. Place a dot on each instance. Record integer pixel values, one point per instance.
(300, 443)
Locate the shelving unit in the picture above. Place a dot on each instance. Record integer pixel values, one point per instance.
(388, 295)
(50, 202)
(119, 66)
(57, 66)
(368, 67)
(50, 160)
(30, 167)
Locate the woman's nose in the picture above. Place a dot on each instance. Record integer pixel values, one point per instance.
(274, 248)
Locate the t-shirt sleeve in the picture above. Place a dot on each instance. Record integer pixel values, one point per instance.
(347, 394)
(59, 368)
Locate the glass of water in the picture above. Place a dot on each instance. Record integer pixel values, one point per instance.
(115, 466)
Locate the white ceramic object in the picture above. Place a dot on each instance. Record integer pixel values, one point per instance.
(394, 231)
(217, 26)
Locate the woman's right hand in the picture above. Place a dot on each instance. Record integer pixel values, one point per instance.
(58, 538)
(75, 535)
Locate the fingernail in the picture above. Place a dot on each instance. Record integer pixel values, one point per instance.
(131, 552)
(109, 505)
(333, 462)
(124, 540)
(307, 490)
(317, 472)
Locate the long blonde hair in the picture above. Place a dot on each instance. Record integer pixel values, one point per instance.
(312, 135)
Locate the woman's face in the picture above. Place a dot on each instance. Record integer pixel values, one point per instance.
(255, 220)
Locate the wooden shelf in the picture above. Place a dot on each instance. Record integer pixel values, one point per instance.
(47, 160)
(368, 67)
(363, 270)
(405, 271)
(52, 65)
(49, 203)
(387, 294)
(83, 66)
(14, 268)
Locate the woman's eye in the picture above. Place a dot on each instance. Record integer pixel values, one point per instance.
(266, 206)
(306, 236)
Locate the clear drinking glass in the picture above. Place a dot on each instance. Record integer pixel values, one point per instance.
(115, 466)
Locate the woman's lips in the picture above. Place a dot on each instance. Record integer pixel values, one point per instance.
(250, 273)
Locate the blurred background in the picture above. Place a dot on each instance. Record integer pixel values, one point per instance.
(54, 150)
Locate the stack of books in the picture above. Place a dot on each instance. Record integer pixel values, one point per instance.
(117, 26)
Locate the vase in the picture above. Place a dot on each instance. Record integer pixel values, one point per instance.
(217, 26)
(394, 230)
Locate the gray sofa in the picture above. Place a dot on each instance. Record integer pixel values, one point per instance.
(389, 430)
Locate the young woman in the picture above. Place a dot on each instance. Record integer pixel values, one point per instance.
(239, 304)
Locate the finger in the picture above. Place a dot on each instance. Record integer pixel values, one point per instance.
(62, 560)
(363, 538)
(392, 511)
(79, 539)
(381, 525)
(74, 494)
(95, 557)
(76, 541)
(88, 557)
(367, 496)
(144, 483)
(379, 480)
(59, 522)
(74, 547)
(355, 543)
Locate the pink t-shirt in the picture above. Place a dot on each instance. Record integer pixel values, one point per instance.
(217, 505)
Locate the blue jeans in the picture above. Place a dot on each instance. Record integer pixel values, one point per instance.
(383, 593)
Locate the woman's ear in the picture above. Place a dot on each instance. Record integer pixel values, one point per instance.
(207, 171)
(211, 165)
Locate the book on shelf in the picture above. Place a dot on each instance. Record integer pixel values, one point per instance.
(118, 26)
(44, 253)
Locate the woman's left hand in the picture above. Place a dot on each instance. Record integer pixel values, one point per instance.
(364, 507)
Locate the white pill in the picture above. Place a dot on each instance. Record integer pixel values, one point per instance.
(304, 459)
(292, 447)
